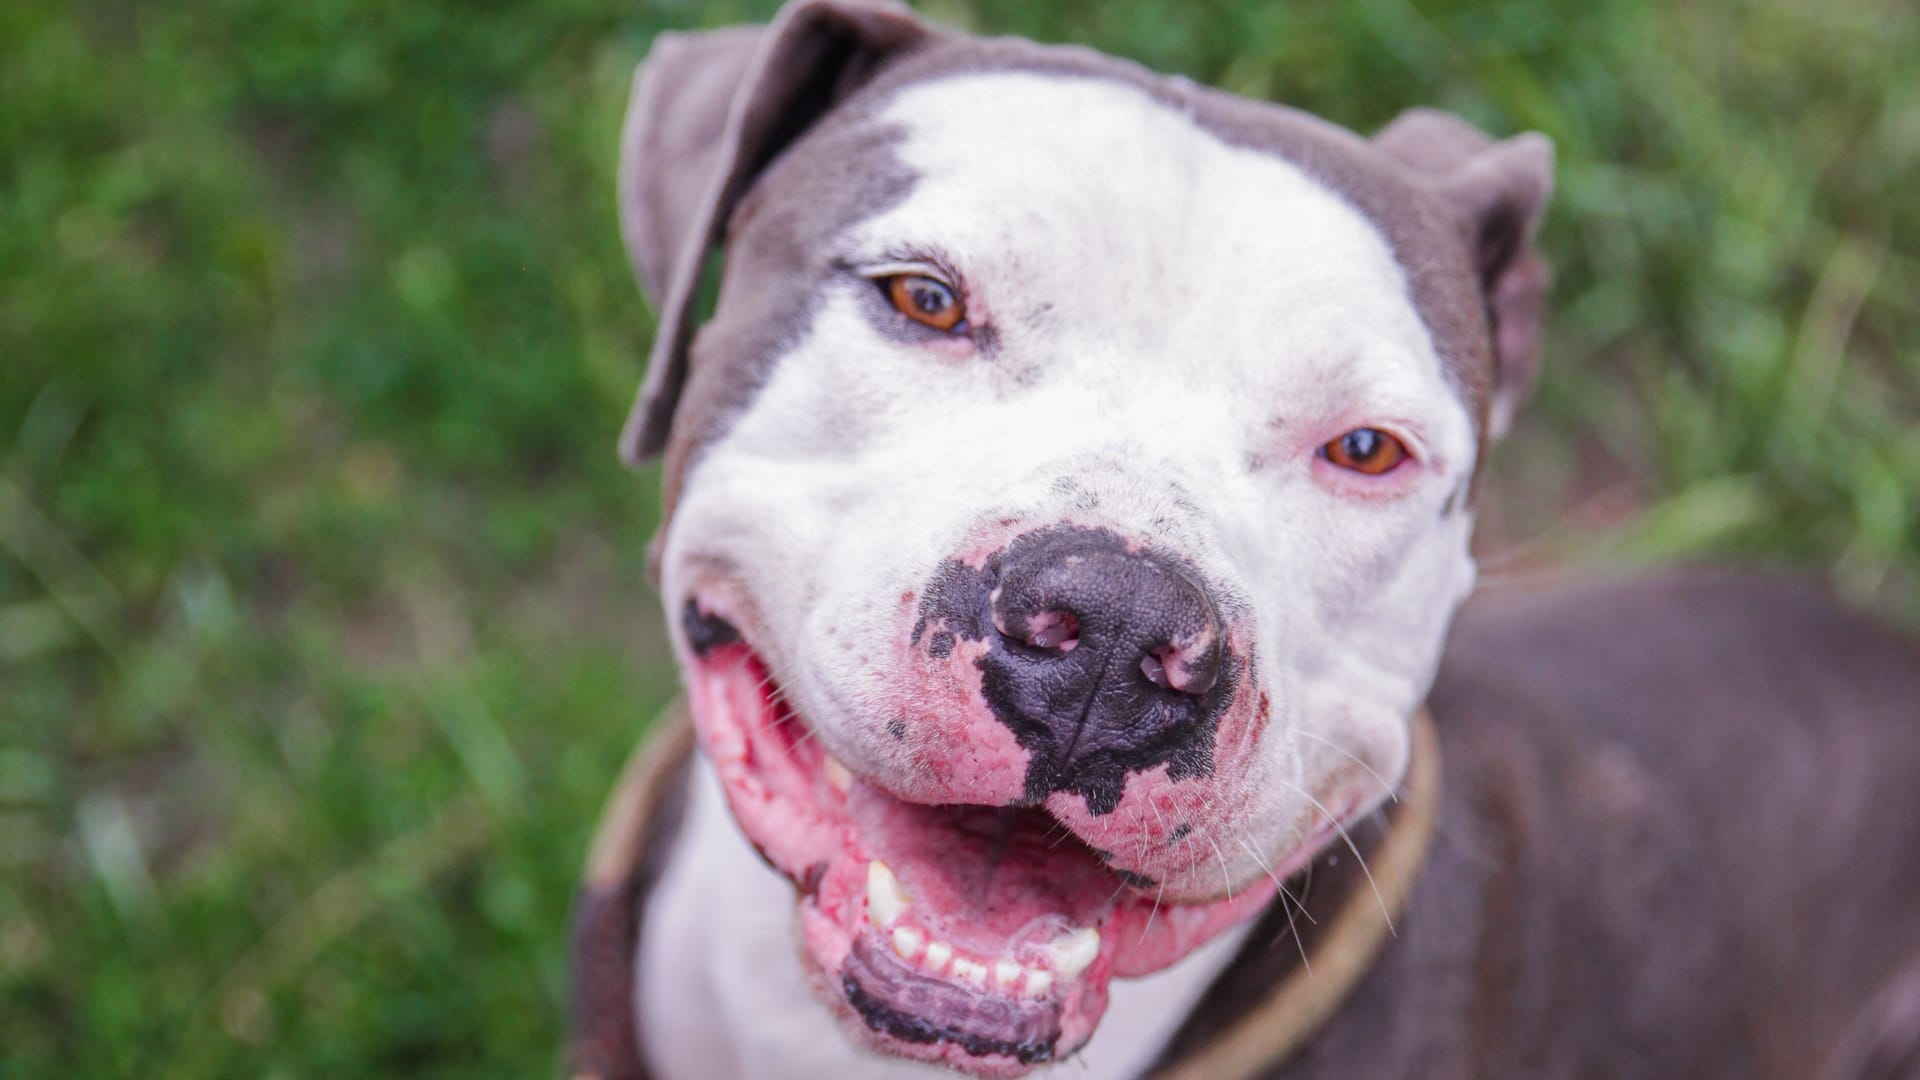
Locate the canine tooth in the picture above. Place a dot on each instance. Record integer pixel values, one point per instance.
(972, 973)
(1074, 950)
(885, 899)
(837, 774)
(938, 953)
(1038, 982)
(907, 941)
(1005, 973)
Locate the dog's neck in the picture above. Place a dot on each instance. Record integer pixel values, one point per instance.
(721, 991)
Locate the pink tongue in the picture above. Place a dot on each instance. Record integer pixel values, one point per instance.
(984, 878)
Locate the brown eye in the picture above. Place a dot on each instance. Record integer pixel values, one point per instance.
(927, 301)
(1366, 450)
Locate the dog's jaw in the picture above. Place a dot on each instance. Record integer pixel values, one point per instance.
(970, 935)
(723, 991)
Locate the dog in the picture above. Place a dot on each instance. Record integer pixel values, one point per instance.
(1066, 531)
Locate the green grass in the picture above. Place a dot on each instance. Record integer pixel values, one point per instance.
(324, 619)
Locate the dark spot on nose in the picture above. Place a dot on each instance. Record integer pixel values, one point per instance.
(1104, 657)
(941, 646)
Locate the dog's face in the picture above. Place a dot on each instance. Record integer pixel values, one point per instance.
(1068, 496)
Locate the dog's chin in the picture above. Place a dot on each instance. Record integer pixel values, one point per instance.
(981, 937)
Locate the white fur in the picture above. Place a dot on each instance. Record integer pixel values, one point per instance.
(1169, 309)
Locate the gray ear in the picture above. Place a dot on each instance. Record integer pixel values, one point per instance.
(709, 112)
(1500, 191)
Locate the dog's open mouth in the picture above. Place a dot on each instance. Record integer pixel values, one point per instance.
(984, 937)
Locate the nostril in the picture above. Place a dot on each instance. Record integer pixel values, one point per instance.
(1050, 631)
(1154, 667)
(1055, 630)
(1166, 668)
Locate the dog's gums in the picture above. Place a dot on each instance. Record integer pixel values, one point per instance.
(984, 937)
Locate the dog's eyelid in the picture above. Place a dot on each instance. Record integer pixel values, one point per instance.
(1408, 435)
(894, 259)
(1409, 440)
(877, 271)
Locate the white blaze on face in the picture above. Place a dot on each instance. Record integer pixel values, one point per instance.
(1179, 325)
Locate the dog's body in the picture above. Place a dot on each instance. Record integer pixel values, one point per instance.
(1067, 504)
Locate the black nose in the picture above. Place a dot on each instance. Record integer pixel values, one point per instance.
(1106, 659)
(1138, 616)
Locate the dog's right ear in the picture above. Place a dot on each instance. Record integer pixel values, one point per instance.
(709, 112)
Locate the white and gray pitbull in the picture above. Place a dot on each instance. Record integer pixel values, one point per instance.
(1067, 503)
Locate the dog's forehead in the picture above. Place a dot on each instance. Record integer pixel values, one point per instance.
(1086, 203)
(1415, 228)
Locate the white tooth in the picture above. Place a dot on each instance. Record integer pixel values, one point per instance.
(1074, 950)
(1038, 982)
(885, 899)
(837, 774)
(1005, 973)
(907, 941)
(969, 972)
(938, 953)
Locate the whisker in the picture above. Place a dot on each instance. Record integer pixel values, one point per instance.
(1153, 804)
(1224, 878)
(1355, 848)
(1350, 756)
(1277, 883)
(1286, 906)
(1158, 894)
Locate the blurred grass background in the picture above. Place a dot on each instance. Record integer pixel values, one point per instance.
(324, 622)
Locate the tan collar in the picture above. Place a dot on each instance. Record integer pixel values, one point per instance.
(1260, 1011)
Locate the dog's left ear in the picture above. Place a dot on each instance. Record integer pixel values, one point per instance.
(1499, 190)
(709, 112)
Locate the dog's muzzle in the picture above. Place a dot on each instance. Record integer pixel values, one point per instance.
(1103, 656)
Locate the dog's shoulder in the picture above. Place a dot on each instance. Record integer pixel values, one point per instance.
(1667, 658)
(1688, 795)
(1747, 719)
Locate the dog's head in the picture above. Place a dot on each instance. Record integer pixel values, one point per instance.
(1068, 495)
